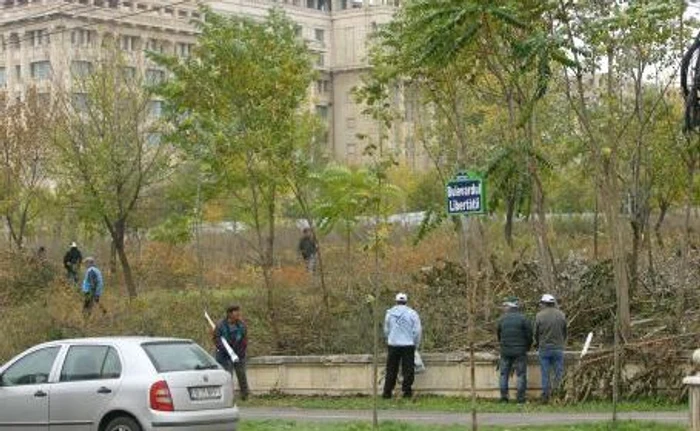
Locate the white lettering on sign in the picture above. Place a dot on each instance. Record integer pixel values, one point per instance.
(470, 204)
(473, 189)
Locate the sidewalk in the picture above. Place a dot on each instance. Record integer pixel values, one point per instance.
(442, 418)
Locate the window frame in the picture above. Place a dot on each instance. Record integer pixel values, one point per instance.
(109, 348)
(24, 356)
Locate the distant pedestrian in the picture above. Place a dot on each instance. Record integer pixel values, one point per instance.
(41, 255)
(308, 247)
(403, 331)
(234, 330)
(72, 261)
(515, 336)
(93, 286)
(550, 339)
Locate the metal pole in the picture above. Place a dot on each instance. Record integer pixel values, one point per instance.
(471, 292)
(616, 369)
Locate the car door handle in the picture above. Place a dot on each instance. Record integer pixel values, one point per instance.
(104, 390)
(40, 394)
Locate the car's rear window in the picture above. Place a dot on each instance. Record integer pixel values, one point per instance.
(171, 356)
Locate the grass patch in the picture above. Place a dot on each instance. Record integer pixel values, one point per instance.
(393, 426)
(457, 405)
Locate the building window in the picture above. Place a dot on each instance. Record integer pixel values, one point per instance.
(80, 69)
(155, 108)
(40, 70)
(311, 4)
(298, 30)
(18, 72)
(154, 76)
(38, 37)
(319, 87)
(82, 37)
(350, 148)
(183, 49)
(182, 14)
(130, 43)
(3, 77)
(154, 45)
(320, 35)
(322, 111)
(15, 42)
(320, 62)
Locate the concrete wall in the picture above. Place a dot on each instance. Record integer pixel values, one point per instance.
(446, 374)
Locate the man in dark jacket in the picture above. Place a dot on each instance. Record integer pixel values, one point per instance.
(308, 247)
(550, 339)
(515, 336)
(234, 329)
(72, 261)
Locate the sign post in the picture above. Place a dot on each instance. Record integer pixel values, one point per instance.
(466, 195)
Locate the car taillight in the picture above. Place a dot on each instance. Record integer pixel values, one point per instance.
(161, 400)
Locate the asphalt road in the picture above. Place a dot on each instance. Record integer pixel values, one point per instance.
(440, 418)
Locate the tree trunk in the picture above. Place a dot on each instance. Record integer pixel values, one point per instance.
(634, 255)
(615, 233)
(596, 222)
(268, 266)
(663, 208)
(540, 226)
(510, 214)
(118, 233)
(113, 258)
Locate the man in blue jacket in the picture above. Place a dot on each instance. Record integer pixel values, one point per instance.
(93, 284)
(402, 329)
(515, 337)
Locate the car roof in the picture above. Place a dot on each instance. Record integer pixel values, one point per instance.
(120, 340)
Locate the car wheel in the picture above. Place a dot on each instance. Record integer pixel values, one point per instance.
(123, 424)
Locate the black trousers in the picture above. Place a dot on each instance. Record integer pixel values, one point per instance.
(239, 369)
(404, 355)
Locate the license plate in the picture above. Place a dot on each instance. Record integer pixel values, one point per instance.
(205, 393)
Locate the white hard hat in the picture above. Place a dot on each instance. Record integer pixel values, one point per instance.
(401, 297)
(73, 244)
(548, 299)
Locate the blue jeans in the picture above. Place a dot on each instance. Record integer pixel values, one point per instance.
(551, 359)
(506, 366)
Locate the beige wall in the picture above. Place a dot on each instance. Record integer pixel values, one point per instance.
(446, 374)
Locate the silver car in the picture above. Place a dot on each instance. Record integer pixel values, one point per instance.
(116, 384)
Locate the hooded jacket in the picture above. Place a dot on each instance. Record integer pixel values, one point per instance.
(402, 327)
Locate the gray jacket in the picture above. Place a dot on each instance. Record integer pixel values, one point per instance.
(550, 329)
(402, 327)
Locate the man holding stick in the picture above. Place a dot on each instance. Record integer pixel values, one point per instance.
(234, 330)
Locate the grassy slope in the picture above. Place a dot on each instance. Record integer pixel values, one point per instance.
(291, 426)
(453, 404)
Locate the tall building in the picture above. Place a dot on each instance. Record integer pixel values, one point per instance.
(47, 42)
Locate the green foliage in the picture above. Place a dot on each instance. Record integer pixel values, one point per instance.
(175, 230)
(240, 114)
(25, 144)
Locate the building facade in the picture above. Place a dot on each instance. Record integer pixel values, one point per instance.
(45, 43)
